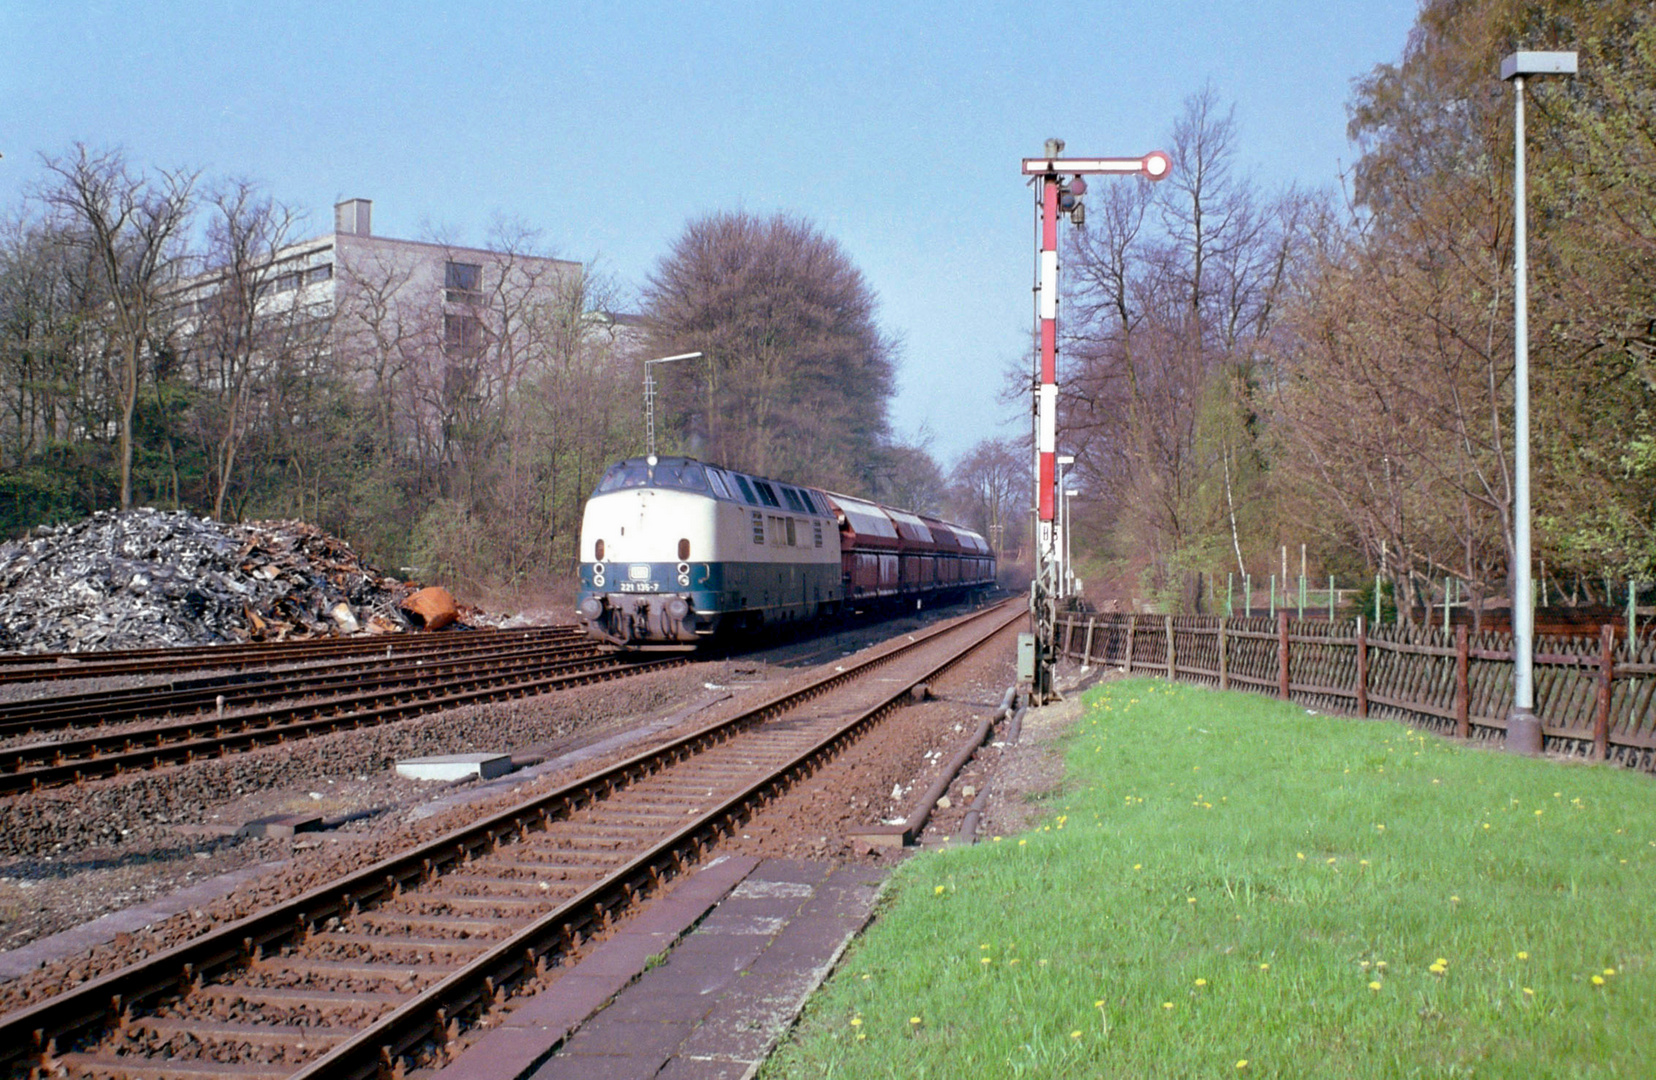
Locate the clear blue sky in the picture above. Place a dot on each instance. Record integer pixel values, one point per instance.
(896, 128)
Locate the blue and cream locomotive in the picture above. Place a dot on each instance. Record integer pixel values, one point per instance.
(675, 551)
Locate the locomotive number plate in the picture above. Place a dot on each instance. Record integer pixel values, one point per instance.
(640, 586)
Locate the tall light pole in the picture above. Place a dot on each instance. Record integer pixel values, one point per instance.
(1063, 461)
(650, 393)
(1058, 189)
(1523, 726)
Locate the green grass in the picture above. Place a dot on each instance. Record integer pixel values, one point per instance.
(1225, 879)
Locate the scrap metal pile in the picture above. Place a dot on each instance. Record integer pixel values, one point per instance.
(150, 578)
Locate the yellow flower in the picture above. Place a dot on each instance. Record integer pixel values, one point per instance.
(1299, 854)
(1138, 866)
(938, 891)
(1167, 1005)
(1454, 899)
(914, 1020)
(1528, 992)
(1442, 962)
(1380, 965)
(1201, 982)
(1609, 971)
(1021, 843)
(1099, 1004)
(856, 1021)
(1264, 967)
(1436, 969)
(1075, 1034)
(1374, 986)
(985, 960)
(1523, 956)
(1243, 1064)
(1598, 980)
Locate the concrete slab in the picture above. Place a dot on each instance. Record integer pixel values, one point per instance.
(281, 826)
(453, 767)
(749, 966)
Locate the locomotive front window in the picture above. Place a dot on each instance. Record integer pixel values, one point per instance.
(624, 474)
(686, 475)
(718, 483)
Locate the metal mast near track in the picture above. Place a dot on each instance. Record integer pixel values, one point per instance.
(1052, 195)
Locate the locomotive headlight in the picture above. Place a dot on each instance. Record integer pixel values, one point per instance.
(591, 608)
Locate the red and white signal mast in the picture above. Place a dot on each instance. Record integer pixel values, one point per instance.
(1055, 195)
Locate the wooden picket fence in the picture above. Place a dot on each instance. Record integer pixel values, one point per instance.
(1596, 698)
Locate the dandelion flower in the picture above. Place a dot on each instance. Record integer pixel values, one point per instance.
(1299, 855)
(1380, 965)
(1264, 967)
(914, 1021)
(1523, 956)
(1201, 982)
(1528, 992)
(1075, 1034)
(1099, 1004)
(1598, 980)
(1454, 899)
(1442, 962)
(1609, 971)
(856, 1021)
(985, 960)
(938, 891)
(1138, 866)
(1169, 1005)
(1243, 1064)
(1374, 986)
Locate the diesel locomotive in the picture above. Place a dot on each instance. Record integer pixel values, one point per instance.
(676, 551)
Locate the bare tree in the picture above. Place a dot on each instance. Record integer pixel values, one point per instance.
(246, 323)
(796, 376)
(132, 227)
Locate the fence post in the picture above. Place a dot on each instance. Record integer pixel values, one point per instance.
(1282, 652)
(1224, 654)
(1172, 672)
(1132, 625)
(1362, 667)
(1606, 673)
(1463, 727)
(1086, 654)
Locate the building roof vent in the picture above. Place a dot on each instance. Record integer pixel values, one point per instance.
(353, 216)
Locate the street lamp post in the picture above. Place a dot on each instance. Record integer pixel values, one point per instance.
(1064, 461)
(1523, 726)
(650, 393)
(1069, 530)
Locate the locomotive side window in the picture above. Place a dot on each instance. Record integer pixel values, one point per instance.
(758, 527)
(766, 494)
(793, 500)
(718, 483)
(747, 492)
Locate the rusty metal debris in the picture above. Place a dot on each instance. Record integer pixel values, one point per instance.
(159, 579)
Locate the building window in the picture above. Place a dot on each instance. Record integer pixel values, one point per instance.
(319, 273)
(464, 281)
(462, 331)
(287, 282)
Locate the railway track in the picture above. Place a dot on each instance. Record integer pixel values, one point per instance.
(414, 690)
(384, 968)
(47, 667)
(320, 678)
